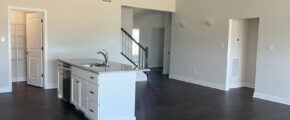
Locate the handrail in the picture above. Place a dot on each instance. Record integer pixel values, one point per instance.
(129, 59)
(133, 39)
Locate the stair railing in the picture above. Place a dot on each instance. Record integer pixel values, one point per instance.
(133, 51)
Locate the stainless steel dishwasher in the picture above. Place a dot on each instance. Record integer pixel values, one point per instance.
(66, 82)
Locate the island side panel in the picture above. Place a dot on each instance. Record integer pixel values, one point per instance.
(117, 96)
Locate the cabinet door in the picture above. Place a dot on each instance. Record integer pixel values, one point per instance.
(83, 96)
(75, 91)
(60, 81)
(59, 71)
(93, 110)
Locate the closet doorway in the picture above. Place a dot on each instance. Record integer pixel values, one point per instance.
(242, 52)
(27, 46)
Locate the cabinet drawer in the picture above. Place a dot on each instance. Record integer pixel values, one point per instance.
(89, 76)
(92, 93)
(93, 110)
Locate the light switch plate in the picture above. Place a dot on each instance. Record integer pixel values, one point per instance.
(2, 39)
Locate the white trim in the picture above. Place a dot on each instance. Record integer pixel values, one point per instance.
(19, 79)
(235, 85)
(125, 118)
(59, 95)
(198, 82)
(249, 85)
(141, 80)
(272, 98)
(50, 86)
(239, 85)
(165, 72)
(228, 68)
(9, 57)
(45, 64)
(155, 65)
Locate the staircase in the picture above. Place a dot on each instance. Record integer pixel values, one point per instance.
(135, 53)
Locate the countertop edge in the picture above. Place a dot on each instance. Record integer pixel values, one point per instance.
(100, 72)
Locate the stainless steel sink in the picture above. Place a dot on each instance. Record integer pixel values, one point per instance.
(95, 65)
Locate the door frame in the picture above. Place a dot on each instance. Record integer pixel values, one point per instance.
(44, 41)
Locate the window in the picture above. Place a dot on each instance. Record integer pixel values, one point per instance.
(135, 47)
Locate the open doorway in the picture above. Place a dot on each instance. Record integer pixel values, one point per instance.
(150, 29)
(27, 46)
(155, 33)
(242, 52)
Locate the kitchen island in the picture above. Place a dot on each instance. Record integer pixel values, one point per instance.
(100, 92)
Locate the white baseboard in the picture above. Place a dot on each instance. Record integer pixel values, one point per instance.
(165, 72)
(126, 118)
(155, 65)
(249, 85)
(19, 79)
(272, 98)
(238, 85)
(199, 82)
(5, 89)
(59, 95)
(141, 80)
(50, 85)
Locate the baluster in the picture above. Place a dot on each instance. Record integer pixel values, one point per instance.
(127, 46)
(141, 65)
(140, 57)
(130, 50)
(139, 52)
(122, 42)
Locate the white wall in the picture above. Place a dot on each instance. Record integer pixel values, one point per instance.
(157, 45)
(127, 19)
(76, 29)
(151, 35)
(205, 61)
(18, 45)
(163, 5)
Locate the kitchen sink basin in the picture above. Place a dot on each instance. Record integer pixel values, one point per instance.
(95, 65)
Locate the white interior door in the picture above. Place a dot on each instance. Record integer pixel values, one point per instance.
(34, 32)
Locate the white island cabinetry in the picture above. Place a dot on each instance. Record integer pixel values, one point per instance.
(80, 92)
(101, 92)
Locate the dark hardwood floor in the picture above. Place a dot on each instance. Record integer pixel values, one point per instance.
(32, 103)
(160, 99)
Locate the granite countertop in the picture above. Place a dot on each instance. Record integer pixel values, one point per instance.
(113, 66)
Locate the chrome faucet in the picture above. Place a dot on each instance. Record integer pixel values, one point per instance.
(106, 56)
